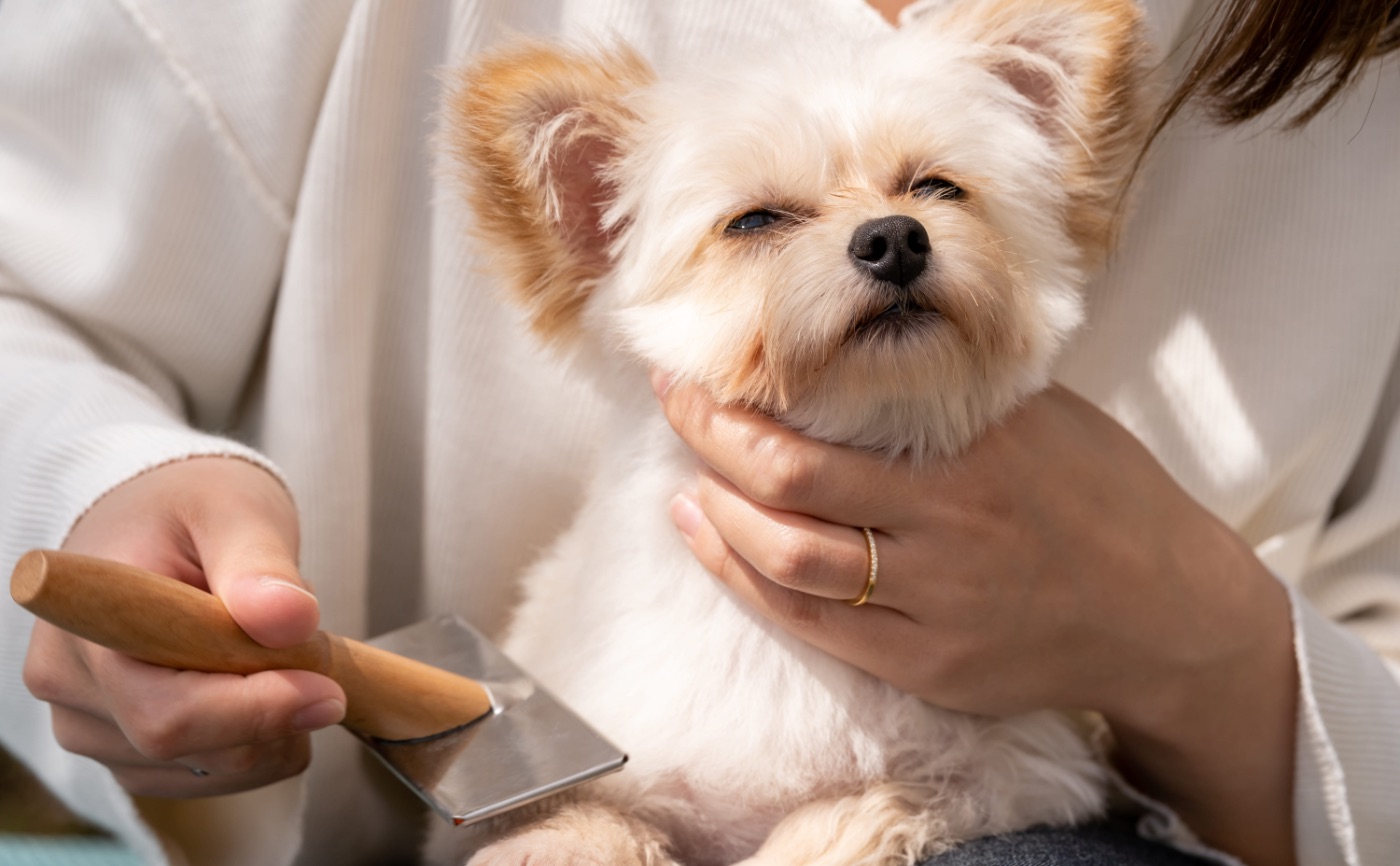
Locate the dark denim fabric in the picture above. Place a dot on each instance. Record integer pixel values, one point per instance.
(1105, 844)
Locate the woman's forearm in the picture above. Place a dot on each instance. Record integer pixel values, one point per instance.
(1216, 743)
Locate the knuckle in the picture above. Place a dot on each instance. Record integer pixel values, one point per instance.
(51, 672)
(43, 680)
(795, 562)
(269, 703)
(255, 549)
(158, 736)
(269, 724)
(786, 474)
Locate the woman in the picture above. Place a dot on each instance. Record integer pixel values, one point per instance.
(199, 245)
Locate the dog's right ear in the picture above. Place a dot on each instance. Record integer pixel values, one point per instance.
(534, 131)
(1082, 68)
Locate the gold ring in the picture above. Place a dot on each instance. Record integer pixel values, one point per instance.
(874, 571)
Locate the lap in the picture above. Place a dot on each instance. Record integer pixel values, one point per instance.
(1104, 844)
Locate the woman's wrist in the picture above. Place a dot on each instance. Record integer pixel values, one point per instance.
(1212, 733)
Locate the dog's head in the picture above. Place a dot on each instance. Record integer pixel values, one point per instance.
(880, 243)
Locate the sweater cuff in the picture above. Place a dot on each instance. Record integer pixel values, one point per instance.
(1347, 770)
(66, 481)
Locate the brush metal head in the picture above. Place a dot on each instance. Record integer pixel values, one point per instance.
(529, 747)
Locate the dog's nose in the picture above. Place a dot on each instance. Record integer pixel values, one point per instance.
(893, 249)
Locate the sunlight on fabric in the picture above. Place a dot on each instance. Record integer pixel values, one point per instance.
(1213, 421)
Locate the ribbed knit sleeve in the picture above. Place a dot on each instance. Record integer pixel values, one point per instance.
(1347, 783)
(1348, 764)
(142, 227)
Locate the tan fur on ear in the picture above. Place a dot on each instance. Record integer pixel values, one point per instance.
(533, 129)
(1102, 48)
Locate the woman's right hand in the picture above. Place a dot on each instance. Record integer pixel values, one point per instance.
(226, 526)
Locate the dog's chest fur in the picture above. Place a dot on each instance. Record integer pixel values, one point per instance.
(730, 722)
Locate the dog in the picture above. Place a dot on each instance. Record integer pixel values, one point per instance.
(880, 244)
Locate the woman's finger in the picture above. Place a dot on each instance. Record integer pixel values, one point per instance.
(781, 469)
(102, 740)
(55, 671)
(793, 550)
(167, 713)
(862, 636)
(194, 775)
(98, 738)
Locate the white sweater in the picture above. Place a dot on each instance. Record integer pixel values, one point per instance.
(221, 232)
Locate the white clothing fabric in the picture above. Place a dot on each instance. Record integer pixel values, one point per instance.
(222, 231)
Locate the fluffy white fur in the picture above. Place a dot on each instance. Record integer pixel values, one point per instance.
(745, 742)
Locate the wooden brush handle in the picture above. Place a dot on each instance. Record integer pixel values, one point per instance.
(166, 622)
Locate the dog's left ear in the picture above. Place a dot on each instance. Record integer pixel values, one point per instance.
(534, 130)
(1081, 68)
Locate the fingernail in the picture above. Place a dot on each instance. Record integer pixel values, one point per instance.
(282, 583)
(660, 382)
(686, 514)
(321, 714)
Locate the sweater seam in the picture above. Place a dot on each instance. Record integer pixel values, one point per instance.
(209, 112)
(1313, 726)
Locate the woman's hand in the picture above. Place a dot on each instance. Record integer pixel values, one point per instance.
(1054, 564)
(228, 527)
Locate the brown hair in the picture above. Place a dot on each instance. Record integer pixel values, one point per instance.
(1259, 53)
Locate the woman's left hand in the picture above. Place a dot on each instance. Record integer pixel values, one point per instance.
(1053, 564)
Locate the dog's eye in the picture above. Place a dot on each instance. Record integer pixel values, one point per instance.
(937, 187)
(754, 219)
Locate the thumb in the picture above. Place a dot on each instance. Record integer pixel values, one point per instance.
(248, 556)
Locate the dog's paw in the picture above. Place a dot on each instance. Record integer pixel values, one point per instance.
(580, 835)
(888, 824)
(555, 848)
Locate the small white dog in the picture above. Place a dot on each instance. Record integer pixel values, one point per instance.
(880, 244)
